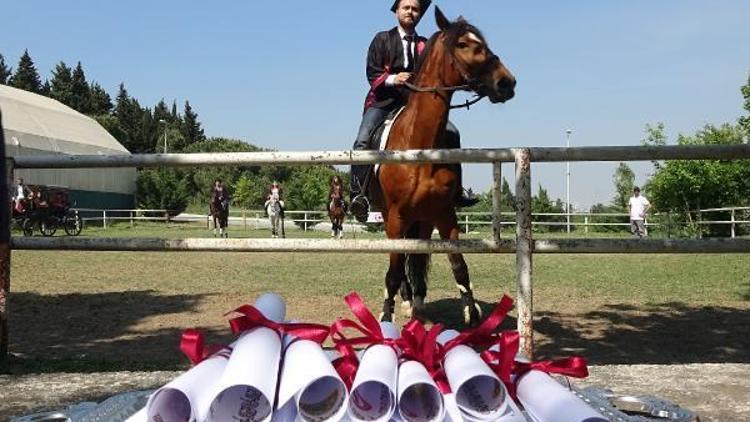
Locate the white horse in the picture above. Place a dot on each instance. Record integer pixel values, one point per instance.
(273, 209)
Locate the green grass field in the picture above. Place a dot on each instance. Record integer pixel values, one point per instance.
(122, 310)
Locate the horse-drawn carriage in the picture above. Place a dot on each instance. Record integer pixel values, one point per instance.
(46, 208)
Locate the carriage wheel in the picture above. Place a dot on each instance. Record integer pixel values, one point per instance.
(73, 224)
(28, 227)
(48, 227)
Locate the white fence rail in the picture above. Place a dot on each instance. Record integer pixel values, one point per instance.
(523, 246)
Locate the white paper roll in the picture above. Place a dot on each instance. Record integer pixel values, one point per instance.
(546, 400)
(419, 399)
(272, 306)
(246, 389)
(310, 382)
(373, 394)
(187, 397)
(480, 395)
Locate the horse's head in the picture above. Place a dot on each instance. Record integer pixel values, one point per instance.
(473, 61)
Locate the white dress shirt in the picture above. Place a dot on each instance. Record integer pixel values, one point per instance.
(391, 79)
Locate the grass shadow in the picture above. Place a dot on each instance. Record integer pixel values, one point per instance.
(668, 333)
(448, 312)
(94, 331)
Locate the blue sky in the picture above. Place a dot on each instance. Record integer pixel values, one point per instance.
(290, 75)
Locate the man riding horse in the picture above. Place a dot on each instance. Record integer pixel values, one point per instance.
(219, 207)
(391, 61)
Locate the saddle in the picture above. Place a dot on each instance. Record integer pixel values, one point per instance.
(378, 142)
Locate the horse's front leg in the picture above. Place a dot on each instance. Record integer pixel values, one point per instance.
(395, 227)
(448, 228)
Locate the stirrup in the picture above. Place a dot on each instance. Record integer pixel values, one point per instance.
(360, 208)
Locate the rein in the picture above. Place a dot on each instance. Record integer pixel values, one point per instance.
(437, 89)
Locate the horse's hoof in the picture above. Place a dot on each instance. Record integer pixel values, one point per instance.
(406, 309)
(472, 314)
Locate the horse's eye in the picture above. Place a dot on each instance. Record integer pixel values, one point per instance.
(462, 45)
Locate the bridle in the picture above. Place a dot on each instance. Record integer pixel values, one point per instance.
(471, 84)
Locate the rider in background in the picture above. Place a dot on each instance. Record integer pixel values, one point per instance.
(275, 193)
(391, 61)
(336, 192)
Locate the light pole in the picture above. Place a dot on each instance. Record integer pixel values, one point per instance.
(567, 180)
(164, 122)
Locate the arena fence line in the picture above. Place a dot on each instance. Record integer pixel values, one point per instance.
(523, 246)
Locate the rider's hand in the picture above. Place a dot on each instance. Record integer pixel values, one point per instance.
(402, 78)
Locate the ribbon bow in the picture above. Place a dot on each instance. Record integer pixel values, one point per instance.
(368, 326)
(419, 344)
(253, 318)
(503, 363)
(193, 345)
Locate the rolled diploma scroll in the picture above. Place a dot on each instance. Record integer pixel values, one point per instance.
(419, 399)
(546, 400)
(187, 397)
(479, 393)
(373, 393)
(247, 388)
(310, 382)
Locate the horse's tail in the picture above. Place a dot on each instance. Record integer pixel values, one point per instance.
(417, 266)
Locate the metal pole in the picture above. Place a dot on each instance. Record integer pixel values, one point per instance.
(244, 219)
(305, 223)
(104, 219)
(524, 252)
(497, 198)
(586, 223)
(4, 244)
(733, 234)
(567, 181)
(466, 223)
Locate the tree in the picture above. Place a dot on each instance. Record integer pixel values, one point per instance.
(61, 83)
(26, 76)
(655, 137)
(744, 121)
(101, 103)
(624, 180)
(191, 128)
(162, 189)
(684, 187)
(80, 92)
(541, 203)
(5, 71)
(308, 188)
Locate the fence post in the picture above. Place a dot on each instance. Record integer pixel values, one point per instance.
(244, 219)
(257, 218)
(586, 224)
(131, 219)
(497, 198)
(305, 223)
(669, 224)
(733, 223)
(4, 246)
(524, 252)
(104, 219)
(466, 224)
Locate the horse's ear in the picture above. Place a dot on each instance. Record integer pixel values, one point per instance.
(461, 19)
(442, 22)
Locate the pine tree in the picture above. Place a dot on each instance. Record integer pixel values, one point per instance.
(61, 84)
(46, 89)
(124, 114)
(101, 103)
(5, 71)
(26, 76)
(174, 111)
(191, 128)
(161, 111)
(81, 93)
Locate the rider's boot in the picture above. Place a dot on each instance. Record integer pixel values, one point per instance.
(463, 198)
(360, 206)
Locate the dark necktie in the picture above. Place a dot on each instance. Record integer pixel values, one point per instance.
(409, 52)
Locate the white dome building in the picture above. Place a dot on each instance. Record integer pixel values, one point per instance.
(37, 125)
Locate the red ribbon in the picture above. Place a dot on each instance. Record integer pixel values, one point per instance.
(253, 318)
(368, 326)
(485, 334)
(503, 363)
(421, 345)
(193, 345)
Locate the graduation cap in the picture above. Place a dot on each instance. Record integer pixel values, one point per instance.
(424, 4)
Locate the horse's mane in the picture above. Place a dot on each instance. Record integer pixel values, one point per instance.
(452, 34)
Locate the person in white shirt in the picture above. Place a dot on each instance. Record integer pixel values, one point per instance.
(638, 206)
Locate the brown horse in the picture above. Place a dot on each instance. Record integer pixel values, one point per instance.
(420, 197)
(337, 214)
